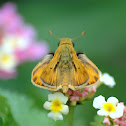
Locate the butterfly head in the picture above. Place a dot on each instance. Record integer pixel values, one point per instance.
(66, 40)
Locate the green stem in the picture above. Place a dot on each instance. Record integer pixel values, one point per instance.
(70, 115)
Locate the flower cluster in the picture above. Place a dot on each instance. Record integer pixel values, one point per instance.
(74, 97)
(80, 95)
(112, 111)
(17, 42)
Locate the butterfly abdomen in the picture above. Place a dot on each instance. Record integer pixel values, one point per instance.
(65, 82)
(65, 72)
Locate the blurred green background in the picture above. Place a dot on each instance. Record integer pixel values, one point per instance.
(104, 43)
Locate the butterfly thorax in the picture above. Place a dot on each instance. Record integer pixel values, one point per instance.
(65, 53)
(65, 50)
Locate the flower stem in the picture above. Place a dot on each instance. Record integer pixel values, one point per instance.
(70, 115)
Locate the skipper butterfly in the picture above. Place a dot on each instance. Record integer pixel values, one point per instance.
(65, 69)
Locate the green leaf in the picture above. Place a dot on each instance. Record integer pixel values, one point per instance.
(27, 109)
(97, 121)
(6, 118)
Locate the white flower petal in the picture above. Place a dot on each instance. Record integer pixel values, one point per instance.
(102, 112)
(58, 95)
(65, 109)
(8, 61)
(107, 79)
(98, 102)
(100, 73)
(12, 42)
(6, 46)
(22, 43)
(47, 105)
(113, 100)
(55, 115)
(51, 97)
(118, 113)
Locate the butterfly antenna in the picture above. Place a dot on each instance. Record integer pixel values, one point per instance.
(53, 35)
(79, 36)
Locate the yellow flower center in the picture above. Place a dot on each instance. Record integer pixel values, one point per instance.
(56, 105)
(109, 107)
(5, 58)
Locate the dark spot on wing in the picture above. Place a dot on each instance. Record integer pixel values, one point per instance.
(38, 83)
(88, 84)
(35, 79)
(56, 66)
(92, 82)
(95, 78)
(74, 66)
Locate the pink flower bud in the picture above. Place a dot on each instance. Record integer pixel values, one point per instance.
(116, 121)
(106, 121)
(124, 117)
(121, 118)
(77, 93)
(124, 109)
(69, 92)
(122, 123)
(86, 89)
(93, 89)
(83, 94)
(74, 92)
(74, 98)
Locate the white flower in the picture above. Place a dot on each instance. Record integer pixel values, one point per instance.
(107, 79)
(13, 42)
(8, 61)
(57, 105)
(110, 108)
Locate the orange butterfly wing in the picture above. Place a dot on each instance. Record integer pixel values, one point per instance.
(37, 71)
(49, 74)
(80, 76)
(91, 69)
